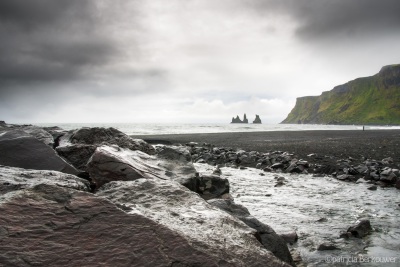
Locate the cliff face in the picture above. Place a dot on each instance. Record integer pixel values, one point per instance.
(369, 100)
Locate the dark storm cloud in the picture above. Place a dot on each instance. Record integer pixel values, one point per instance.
(336, 18)
(46, 40)
(32, 14)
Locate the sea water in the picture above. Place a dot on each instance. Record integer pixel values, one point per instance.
(318, 209)
(182, 128)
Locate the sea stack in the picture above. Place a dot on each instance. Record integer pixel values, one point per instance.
(245, 120)
(238, 120)
(257, 120)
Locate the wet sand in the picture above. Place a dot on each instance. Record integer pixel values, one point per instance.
(359, 145)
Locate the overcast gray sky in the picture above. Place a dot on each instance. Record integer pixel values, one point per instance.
(184, 60)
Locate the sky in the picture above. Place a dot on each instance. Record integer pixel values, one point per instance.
(184, 61)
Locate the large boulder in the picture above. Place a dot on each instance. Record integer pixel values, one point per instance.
(49, 225)
(266, 235)
(177, 162)
(13, 179)
(212, 186)
(105, 136)
(113, 163)
(20, 149)
(40, 134)
(209, 230)
(78, 155)
(77, 146)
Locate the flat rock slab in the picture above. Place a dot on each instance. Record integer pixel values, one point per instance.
(18, 149)
(208, 229)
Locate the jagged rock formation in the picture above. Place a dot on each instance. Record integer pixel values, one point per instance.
(369, 100)
(238, 120)
(257, 119)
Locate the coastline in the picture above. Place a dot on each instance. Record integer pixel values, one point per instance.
(335, 144)
(105, 162)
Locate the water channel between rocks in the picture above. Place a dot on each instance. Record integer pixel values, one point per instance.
(318, 209)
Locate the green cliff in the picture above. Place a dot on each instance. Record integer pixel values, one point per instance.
(369, 100)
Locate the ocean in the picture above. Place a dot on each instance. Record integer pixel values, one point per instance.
(181, 128)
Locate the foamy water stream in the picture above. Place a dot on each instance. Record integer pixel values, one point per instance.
(318, 209)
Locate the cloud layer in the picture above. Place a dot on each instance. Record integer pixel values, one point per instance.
(184, 61)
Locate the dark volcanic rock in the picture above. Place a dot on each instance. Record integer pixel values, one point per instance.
(326, 246)
(13, 179)
(40, 134)
(19, 149)
(212, 186)
(290, 238)
(64, 227)
(265, 234)
(210, 230)
(106, 136)
(112, 163)
(361, 229)
(78, 146)
(372, 188)
(398, 184)
(78, 155)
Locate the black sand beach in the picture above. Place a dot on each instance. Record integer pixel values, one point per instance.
(359, 145)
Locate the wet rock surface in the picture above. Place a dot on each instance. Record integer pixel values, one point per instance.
(360, 229)
(65, 227)
(20, 149)
(212, 186)
(264, 233)
(78, 155)
(207, 228)
(14, 179)
(77, 146)
(105, 136)
(31, 130)
(112, 163)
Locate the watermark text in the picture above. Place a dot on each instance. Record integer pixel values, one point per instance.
(348, 260)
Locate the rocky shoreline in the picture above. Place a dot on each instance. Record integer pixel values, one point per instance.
(372, 156)
(95, 196)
